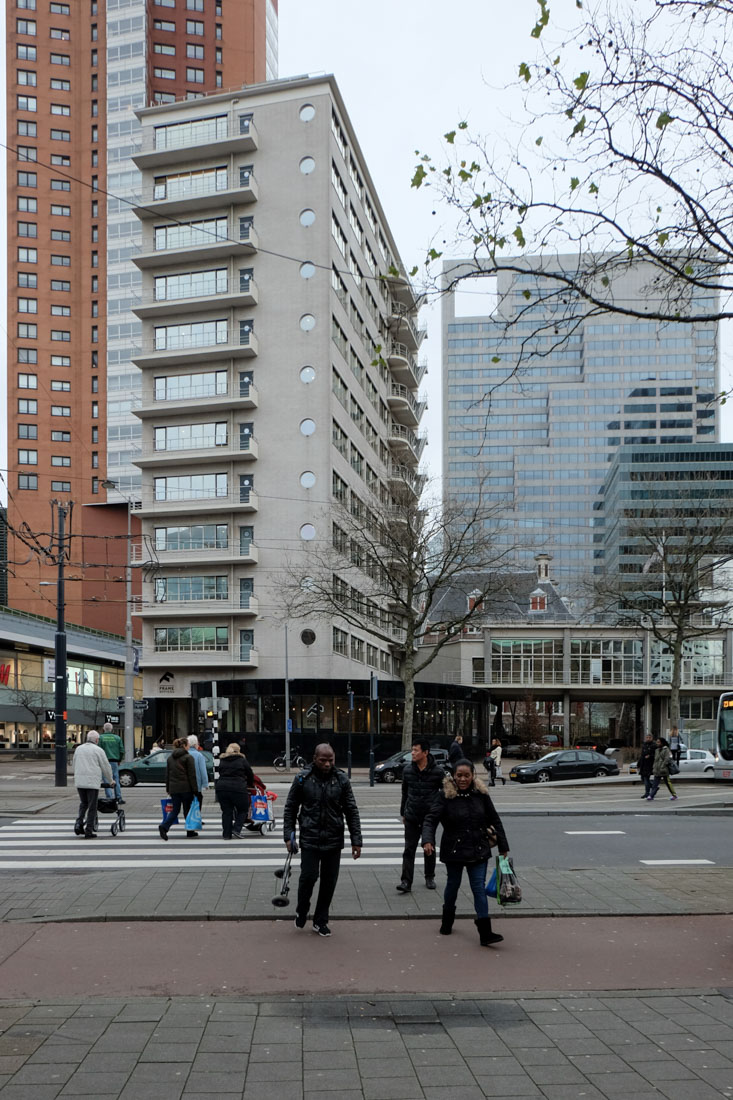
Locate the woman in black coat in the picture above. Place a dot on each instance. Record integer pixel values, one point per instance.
(233, 789)
(470, 826)
(180, 784)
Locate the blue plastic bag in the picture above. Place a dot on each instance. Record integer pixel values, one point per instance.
(193, 817)
(491, 885)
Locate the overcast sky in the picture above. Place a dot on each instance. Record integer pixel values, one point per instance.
(410, 70)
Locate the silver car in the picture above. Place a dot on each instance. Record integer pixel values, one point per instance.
(697, 762)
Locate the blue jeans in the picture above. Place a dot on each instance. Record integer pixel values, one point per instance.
(477, 881)
(178, 801)
(116, 774)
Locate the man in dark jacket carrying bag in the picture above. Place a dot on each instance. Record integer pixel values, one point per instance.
(320, 800)
(421, 782)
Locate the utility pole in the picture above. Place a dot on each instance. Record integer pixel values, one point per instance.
(350, 695)
(374, 711)
(60, 656)
(288, 720)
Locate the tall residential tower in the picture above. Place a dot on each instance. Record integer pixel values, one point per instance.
(76, 72)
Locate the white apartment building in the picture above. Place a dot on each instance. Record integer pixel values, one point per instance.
(266, 295)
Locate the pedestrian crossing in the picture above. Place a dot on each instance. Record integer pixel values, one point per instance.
(49, 844)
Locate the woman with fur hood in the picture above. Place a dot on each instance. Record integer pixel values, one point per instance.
(471, 826)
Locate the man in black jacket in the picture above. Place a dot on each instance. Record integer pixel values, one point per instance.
(320, 800)
(421, 781)
(646, 763)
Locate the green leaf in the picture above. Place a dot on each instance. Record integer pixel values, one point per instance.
(413, 271)
(538, 141)
(392, 270)
(462, 125)
(433, 255)
(689, 269)
(578, 127)
(524, 72)
(574, 182)
(662, 239)
(464, 175)
(605, 281)
(544, 19)
(593, 189)
(663, 120)
(519, 236)
(581, 81)
(497, 359)
(527, 294)
(419, 176)
(450, 137)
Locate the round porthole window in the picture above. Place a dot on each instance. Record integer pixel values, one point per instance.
(307, 322)
(307, 270)
(307, 217)
(307, 637)
(307, 532)
(307, 112)
(307, 426)
(307, 479)
(307, 165)
(307, 375)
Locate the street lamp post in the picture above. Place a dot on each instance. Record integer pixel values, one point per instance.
(129, 711)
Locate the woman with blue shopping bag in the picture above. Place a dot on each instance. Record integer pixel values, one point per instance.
(233, 791)
(181, 785)
(471, 826)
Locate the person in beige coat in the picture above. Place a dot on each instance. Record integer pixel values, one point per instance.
(91, 769)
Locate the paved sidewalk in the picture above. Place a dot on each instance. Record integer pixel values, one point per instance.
(152, 894)
(605, 1045)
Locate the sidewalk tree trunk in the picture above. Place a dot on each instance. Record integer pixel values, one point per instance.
(385, 570)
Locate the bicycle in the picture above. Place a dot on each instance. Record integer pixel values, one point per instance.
(296, 760)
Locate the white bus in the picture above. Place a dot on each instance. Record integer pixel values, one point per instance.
(724, 737)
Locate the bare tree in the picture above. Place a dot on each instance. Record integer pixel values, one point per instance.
(35, 702)
(621, 155)
(669, 577)
(389, 566)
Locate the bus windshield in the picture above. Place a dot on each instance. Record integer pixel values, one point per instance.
(725, 726)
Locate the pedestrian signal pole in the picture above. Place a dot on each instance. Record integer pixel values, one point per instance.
(373, 718)
(350, 696)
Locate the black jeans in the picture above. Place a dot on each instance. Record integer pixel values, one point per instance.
(413, 832)
(234, 810)
(178, 800)
(312, 863)
(647, 780)
(87, 808)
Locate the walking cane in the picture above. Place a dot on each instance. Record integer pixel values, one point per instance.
(281, 899)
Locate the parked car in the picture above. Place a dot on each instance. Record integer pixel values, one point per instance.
(151, 769)
(692, 762)
(594, 745)
(392, 768)
(568, 764)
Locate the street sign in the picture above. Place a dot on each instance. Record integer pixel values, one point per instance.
(140, 705)
(50, 715)
(290, 725)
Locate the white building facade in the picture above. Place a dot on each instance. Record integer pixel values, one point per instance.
(280, 379)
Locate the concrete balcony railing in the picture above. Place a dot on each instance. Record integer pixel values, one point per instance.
(241, 397)
(197, 192)
(244, 554)
(175, 144)
(200, 295)
(176, 456)
(405, 443)
(179, 504)
(237, 345)
(404, 406)
(404, 365)
(237, 236)
(166, 609)
(242, 656)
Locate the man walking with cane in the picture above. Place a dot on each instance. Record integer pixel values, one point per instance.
(421, 781)
(320, 800)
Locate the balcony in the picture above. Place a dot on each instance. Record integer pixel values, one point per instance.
(242, 501)
(403, 405)
(186, 456)
(185, 351)
(403, 327)
(208, 138)
(404, 443)
(242, 656)
(400, 477)
(167, 609)
(226, 555)
(172, 198)
(234, 293)
(403, 364)
(246, 397)
(403, 291)
(200, 245)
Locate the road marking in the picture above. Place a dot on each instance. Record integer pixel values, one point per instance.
(595, 832)
(676, 862)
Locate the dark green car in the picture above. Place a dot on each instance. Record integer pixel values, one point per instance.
(151, 769)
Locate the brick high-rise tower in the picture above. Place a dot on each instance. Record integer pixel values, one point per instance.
(76, 72)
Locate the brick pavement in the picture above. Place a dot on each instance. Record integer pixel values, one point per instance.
(598, 1046)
